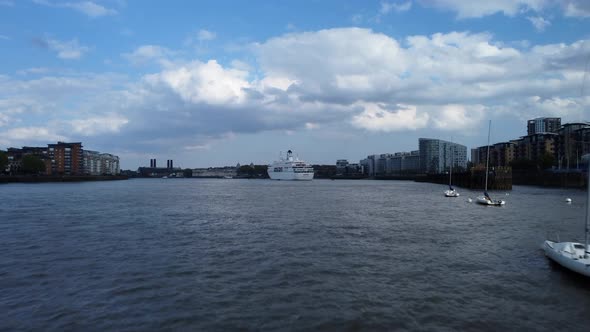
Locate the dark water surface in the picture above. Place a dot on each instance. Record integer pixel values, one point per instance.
(218, 255)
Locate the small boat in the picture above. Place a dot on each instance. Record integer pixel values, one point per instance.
(451, 192)
(573, 255)
(568, 200)
(486, 199)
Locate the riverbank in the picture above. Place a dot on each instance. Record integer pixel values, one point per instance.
(550, 179)
(60, 178)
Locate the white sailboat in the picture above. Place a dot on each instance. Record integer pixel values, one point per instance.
(451, 192)
(485, 199)
(573, 255)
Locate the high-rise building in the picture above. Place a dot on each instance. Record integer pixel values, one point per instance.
(437, 155)
(571, 144)
(96, 163)
(536, 146)
(475, 156)
(15, 158)
(387, 164)
(543, 125)
(66, 158)
(341, 165)
(369, 165)
(404, 163)
(381, 168)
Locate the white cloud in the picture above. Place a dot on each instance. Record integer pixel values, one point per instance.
(200, 82)
(110, 123)
(336, 78)
(569, 107)
(4, 119)
(387, 7)
(241, 65)
(473, 9)
(476, 9)
(539, 22)
(88, 8)
(312, 126)
(458, 117)
(334, 60)
(576, 8)
(199, 40)
(376, 117)
(357, 19)
(204, 35)
(206, 146)
(146, 53)
(37, 134)
(34, 71)
(67, 49)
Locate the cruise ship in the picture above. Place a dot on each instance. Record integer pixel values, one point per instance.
(290, 168)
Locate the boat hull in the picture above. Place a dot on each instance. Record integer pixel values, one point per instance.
(290, 176)
(571, 259)
(451, 193)
(484, 201)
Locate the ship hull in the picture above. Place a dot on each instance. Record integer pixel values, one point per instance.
(290, 176)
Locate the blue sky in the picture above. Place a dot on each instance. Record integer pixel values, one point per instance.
(211, 83)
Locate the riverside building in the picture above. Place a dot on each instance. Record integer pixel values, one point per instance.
(96, 163)
(436, 155)
(543, 125)
(66, 158)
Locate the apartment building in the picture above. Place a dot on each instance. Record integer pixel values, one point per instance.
(66, 158)
(437, 155)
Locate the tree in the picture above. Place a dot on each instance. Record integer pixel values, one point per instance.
(253, 171)
(3, 161)
(33, 164)
(547, 161)
(523, 164)
(188, 173)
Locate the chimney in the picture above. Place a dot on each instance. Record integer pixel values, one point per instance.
(171, 164)
(151, 163)
(155, 163)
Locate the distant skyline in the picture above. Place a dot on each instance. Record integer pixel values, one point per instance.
(213, 83)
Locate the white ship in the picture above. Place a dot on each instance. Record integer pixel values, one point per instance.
(290, 168)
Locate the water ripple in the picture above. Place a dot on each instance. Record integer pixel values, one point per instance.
(261, 255)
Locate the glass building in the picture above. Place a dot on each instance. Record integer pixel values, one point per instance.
(436, 155)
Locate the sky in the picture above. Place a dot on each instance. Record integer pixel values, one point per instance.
(213, 83)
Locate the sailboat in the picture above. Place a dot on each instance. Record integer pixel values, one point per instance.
(573, 255)
(451, 192)
(486, 199)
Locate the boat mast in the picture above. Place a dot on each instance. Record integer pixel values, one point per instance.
(451, 169)
(488, 156)
(451, 173)
(587, 208)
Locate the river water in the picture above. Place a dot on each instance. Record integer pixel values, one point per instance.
(222, 255)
